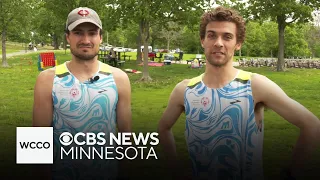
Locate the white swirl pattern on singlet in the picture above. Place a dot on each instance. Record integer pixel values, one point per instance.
(221, 132)
(83, 107)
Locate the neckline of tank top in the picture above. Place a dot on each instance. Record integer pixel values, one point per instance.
(86, 81)
(235, 77)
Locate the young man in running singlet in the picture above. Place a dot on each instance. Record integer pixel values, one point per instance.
(83, 95)
(224, 109)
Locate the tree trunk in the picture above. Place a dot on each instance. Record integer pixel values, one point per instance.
(55, 42)
(281, 27)
(168, 44)
(65, 44)
(4, 54)
(152, 42)
(145, 38)
(139, 43)
(107, 38)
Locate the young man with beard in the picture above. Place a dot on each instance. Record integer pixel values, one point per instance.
(224, 109)
(83, 95)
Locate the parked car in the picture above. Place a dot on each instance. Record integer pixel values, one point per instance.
(120, 49)
(105, 47)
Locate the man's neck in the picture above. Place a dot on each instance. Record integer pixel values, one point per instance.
(218, 77)
(83, 70)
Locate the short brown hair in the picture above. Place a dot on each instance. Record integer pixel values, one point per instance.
(223, 14)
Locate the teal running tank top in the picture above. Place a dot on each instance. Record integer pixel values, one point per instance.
(223, 139)
(88, 106)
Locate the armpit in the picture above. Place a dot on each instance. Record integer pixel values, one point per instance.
(259, 114)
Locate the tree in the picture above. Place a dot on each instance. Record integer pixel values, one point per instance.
(254, 38)
(171, 32)
(12, 12)
(297, 44)
(58, 12)
(312, 36)
(271, 42)
(148, 13)
(283, 12)
(191, 40)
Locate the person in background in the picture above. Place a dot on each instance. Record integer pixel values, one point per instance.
(113, 56)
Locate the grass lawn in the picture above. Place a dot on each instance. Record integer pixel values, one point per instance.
(12, 47)
(148, 103)
(10, 51)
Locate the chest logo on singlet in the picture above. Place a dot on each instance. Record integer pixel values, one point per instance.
(74, 92)
(205, 101)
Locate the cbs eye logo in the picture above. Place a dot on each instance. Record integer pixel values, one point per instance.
(66, 138)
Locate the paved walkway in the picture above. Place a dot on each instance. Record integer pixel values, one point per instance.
(22, 52)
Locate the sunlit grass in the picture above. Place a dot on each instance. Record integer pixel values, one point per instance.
(149, 101)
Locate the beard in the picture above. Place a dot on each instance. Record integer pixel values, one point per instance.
(84, 56)
(219, 63)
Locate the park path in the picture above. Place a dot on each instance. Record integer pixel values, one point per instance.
(22, 52)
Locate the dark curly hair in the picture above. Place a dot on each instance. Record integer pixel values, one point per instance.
(223, 14)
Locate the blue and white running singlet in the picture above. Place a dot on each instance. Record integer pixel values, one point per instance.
(83, 107)
(223, 138)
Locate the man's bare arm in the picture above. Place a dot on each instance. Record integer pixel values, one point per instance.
(43, 105)
(124, 115)
(43, 112)
(266, 91)
(170, 116)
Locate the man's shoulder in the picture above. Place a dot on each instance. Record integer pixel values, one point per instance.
(48, 73)
(244, 75)
(258, 78)
(177, 94)
(193, 81)
(118, 73)
(45, 78)
(112, 70)
(261, 84)
(182, 85)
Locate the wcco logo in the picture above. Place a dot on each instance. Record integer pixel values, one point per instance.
(34, 145)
